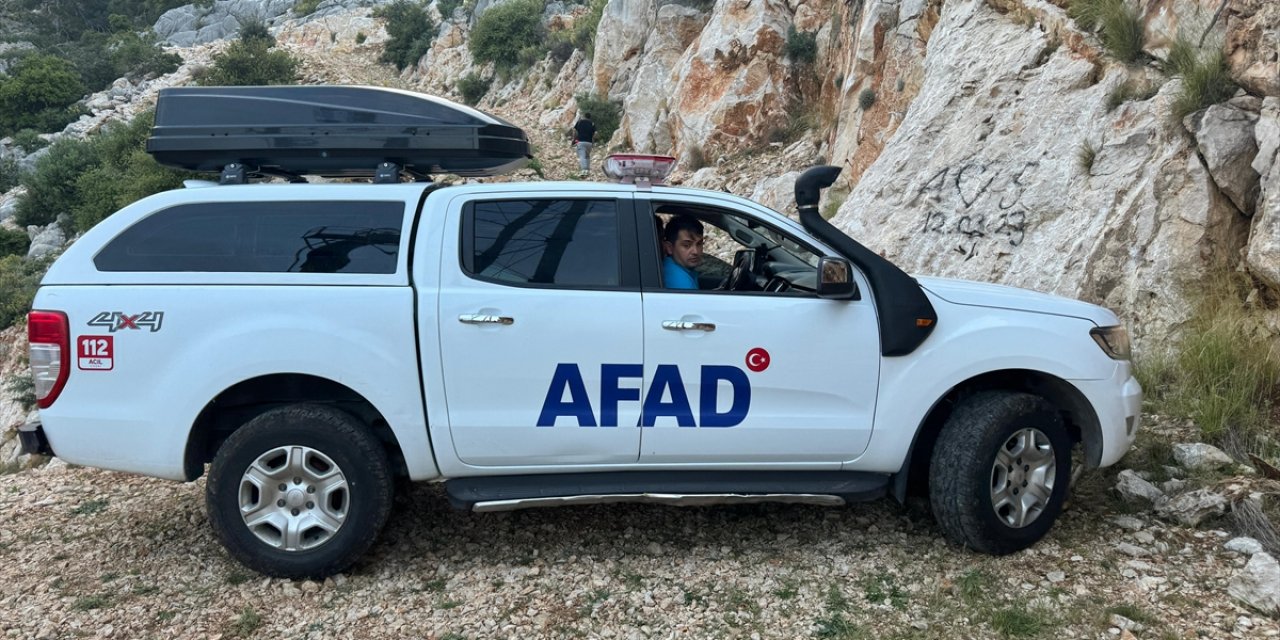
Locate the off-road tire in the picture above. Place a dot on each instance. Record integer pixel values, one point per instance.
(960, 472)
(339, 436)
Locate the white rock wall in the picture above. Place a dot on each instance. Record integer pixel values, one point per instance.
(982, 179)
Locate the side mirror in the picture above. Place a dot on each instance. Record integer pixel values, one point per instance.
(835, 279)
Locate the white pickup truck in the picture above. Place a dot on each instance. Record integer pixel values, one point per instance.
(310, 343)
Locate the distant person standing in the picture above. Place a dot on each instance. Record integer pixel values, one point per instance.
(584, 134)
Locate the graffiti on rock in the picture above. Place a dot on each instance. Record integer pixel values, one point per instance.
(979, 203)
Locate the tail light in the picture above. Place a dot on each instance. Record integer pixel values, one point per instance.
(49, 336)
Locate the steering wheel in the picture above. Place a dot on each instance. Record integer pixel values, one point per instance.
(741, 272)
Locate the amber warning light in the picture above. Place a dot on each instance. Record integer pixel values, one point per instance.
(638, 169)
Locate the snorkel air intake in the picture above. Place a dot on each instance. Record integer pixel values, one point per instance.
(906, 316)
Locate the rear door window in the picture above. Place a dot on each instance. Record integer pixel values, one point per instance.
(262, 237)
(558, 243)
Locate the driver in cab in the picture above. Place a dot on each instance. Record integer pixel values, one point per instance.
(682, 242)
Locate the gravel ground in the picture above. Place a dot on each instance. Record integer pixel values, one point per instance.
(88, 553)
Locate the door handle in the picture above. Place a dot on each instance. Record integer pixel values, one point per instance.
(479, 318)
(681, 325)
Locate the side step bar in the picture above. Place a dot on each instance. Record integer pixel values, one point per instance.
(686, 488)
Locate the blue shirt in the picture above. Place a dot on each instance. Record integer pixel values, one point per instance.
(675, 276)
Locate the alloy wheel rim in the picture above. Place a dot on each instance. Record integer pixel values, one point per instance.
(1022, 478)
(294, 498)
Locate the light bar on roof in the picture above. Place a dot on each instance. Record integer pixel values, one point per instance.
(635, 167)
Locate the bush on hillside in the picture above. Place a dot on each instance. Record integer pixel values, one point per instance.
(1206, 80)
(410, 31)
(91, 179)
(802, 47)
(504, 31)
(13, 242)
(9, 176)
(18, 281)
(605, 114)
(253, 29)
(1220, 375)
(39, 93)
(473, 87)
(249, 62)
(101, 58)
(305, 7)
(447, 7)
(1118, 22)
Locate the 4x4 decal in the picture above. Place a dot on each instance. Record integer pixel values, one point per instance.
(118, 321)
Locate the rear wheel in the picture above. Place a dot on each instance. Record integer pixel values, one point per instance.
(299, 492)
(1000, 472)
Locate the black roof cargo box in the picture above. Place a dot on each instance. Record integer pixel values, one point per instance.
(330, 131)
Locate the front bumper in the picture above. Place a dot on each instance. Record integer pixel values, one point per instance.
(31, 435)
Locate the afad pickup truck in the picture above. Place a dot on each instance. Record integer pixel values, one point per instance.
(308, 344)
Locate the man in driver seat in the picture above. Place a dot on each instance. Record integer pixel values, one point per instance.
(682, 241)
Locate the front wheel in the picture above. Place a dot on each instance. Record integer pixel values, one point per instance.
(299, 491)
(1000, 472)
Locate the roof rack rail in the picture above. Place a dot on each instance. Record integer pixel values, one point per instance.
(332, 131)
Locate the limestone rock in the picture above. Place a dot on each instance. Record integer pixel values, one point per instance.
(1198, 456)
(1252, 43)
(1224, 135)
(976, 184)
(624, 27)
(733, 87)
(1134, 489)
(1191, 508)
(644, 121)
(45, 241)
(1258, 584)
(9, 202)
(194, 24)
(1263, 256)
(1244, 545)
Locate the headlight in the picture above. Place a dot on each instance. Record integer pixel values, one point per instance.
(1114, 341)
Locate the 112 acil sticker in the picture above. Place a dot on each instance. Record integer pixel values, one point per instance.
(96, 353)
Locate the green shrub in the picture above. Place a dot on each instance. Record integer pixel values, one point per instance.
(503, 32)
(1119, 25)
(1183, 57)
(256, 30)
(39, 93)
(447, 7)
(13, 242)
(30, 141)
(361, 37)
(802, 46)
(1207, 81)
(866, 98)
(9, 174)
(1122, 30)
(51, 186)
(91, 179)
(410, 31)
(136, 56)
(22, 388)
(1086, 13)
(561, 48)
(1086, 154)
(605, 114)
(305, 7)
(18, 281)
(473, 87)
(1221, 375)
(249, 62)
